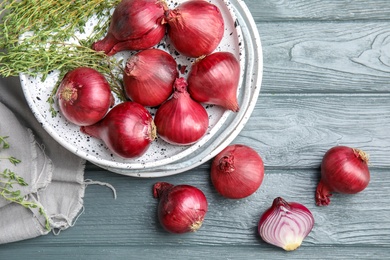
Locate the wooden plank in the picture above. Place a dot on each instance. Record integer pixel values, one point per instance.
(296, 130)
(128, 225)
(324, 57)
(146, 252)
(296, 10)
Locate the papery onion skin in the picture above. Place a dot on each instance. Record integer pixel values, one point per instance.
(135, 25)
(237, 171)
(214, 80)
(343, 170)
(149, 76)
(84, 96)
(181, 208)
(195, 27)
(127, 130)
(285, 224)
(181, 120)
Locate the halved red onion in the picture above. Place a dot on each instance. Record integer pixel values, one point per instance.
(285, 224)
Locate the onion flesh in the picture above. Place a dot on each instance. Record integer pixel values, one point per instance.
(181, 208)
(237, 171)
(181, 120)
(343, 170)
(195, 27)
(127, 130)
(149, 77)
(214, 80)
(84, 96)
(285, 224)
(135, 25)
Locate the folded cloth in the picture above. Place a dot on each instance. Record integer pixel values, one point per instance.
(55, 176)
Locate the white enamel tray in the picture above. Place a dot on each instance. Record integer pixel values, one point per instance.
(241, 38)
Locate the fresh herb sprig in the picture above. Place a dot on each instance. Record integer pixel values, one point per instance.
(9, 178)
(38, 37)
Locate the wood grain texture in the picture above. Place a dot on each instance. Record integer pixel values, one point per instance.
(348, 57)
(129, 224)
(326, 82)
(318, 10)
(296, 130)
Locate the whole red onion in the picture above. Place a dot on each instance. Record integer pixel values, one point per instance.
(135, 25)
(195, 27)
(214, 80)
(127, 130)
(237, 171)
(181, 208)
(181, 120)
(84, 96)
(285, 224)
(149, 77)
(343, 170)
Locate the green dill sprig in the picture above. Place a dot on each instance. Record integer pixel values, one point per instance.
(9, 178)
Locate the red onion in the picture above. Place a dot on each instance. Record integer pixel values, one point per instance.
(195, 28)
(214, 80)
(181, 208)
(135, 25)
(285, 224)
(181, 120)
(84, 96)
(127, 130)
(149, 77)
(343, 170)
(237, 171)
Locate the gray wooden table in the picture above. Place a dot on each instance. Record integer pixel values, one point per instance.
(326, 82)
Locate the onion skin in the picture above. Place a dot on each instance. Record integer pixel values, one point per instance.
(127, 130)
(181, 120)
(195, 27)
(285, 224)
(214, 80)
(149, 77)
(181, 208)
(237, 171)
(343, 170)
(135, 25)
(84, 96)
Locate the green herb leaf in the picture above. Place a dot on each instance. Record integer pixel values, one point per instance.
(8, 178)
(47, 26)
(3, 142)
